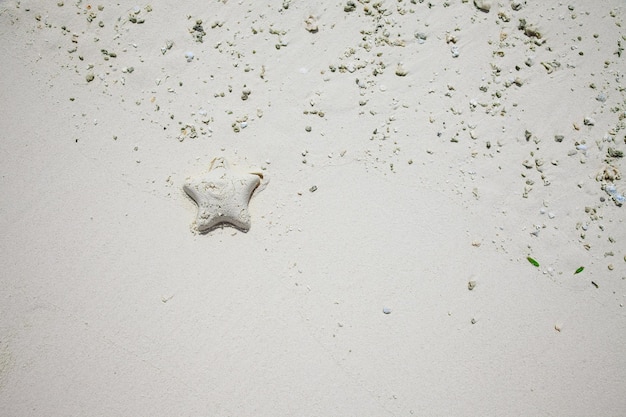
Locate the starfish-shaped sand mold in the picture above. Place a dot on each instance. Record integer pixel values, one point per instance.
(222, 196)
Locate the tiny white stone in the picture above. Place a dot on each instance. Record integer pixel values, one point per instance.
(386, 310)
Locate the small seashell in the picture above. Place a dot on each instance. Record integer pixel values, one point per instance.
(189, 55)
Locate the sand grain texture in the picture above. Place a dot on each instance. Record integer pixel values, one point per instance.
(419, 153)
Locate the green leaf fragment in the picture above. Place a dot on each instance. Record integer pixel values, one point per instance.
(579, 270)
(532, 261)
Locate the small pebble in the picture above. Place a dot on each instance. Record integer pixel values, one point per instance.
(483, 5)
(400, 71)
(421, 37)
(386, 310)
(311, 24)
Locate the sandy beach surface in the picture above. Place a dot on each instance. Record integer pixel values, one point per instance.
(439, 230)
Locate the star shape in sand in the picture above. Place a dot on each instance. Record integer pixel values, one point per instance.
(222, 196)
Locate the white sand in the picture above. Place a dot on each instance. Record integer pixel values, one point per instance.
(111, 306)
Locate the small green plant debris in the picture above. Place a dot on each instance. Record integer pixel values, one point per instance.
(579, 270)
(532, 261)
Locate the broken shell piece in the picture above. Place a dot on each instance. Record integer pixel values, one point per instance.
(451, 38)
(617, 197)
(311, 24)
(167, 47)
(608, 173)
(529, 30)
(349, 7)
